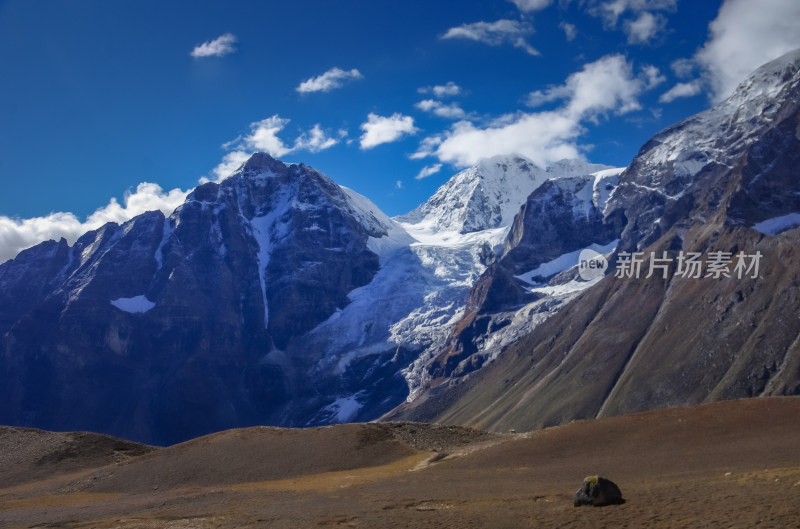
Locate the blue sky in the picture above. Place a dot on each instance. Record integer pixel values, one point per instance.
(110, 107)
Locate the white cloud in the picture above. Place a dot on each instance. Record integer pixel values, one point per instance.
(315, 140)
(19, 234)
(218, 47)
(451, 111)
(683, 68)
(531, 5)
(379, 129)
(570, 31)
(398, 184)
(333, 78)
(606, 86)
(428, 170)
(745, 35)
(652, 76)
(495, 33)
(642, 25)
(543, 137)
(680, 90)
(644, 28)
(263, 137)
(553, 93)
(612, 10)
(230, 163)
(449, 89)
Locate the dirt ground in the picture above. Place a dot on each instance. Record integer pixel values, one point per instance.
(732, 464)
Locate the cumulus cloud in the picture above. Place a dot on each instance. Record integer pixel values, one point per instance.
(683, 68)
(744, 36)
(652, 76)
(607, 84)
(543, 137)
(531, 5)
(570, 31)
(230, 163)
(380, 129)
(218, 47)
(611, 11)
(450, 111)
(604, 87)
(333, 78)
(680, 90)
(644, 28)
(263, 137)
(428, 170)
(495, 33)
(19, 234)
(447, 90)
(315, 140)
(641, 20)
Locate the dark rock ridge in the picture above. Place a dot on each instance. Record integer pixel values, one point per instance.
(630, 344)
(163, 329)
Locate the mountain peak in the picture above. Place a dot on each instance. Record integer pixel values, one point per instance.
(489, 194)
(260, 163)
(664, 178)
(260, 160)
(769, 78)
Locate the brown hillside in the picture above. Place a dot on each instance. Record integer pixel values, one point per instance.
(731, 464)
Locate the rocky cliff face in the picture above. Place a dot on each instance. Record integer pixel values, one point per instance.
(721, 189)
(166, 328)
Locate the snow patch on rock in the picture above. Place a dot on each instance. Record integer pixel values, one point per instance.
(134, 305)
(777, 225)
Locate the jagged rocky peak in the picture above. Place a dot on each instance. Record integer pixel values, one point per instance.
(260, 162)
(489, 194)
(681, 176)
(195, 304)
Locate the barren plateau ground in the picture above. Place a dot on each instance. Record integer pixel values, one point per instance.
(729, 464)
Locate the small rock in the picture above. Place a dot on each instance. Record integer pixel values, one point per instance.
(598, 491)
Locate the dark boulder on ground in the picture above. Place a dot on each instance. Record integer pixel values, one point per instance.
(598, 492)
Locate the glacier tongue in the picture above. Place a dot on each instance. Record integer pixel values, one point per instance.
(417, 294)
(430, 259)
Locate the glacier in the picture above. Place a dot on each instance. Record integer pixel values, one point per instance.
(432, 256)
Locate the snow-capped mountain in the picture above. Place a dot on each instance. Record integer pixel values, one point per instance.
(278, 297)
(273, 297)
(489, 194)
(165, 328)
(559, 219)
(428, 266)
(721, 188)
(675, 171)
